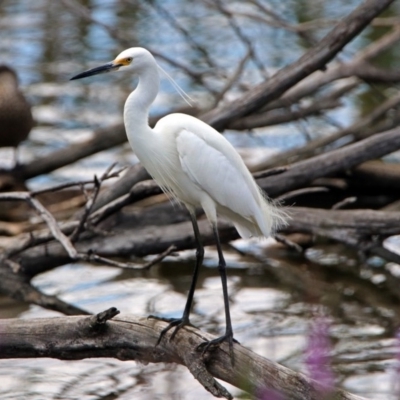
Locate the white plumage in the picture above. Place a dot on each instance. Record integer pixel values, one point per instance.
(193, 162)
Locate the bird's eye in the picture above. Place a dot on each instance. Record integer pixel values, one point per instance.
(129, 59)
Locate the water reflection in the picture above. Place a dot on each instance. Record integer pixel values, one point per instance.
(275, 293)
(270, 311)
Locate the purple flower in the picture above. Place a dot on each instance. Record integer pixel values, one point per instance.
(317, 356)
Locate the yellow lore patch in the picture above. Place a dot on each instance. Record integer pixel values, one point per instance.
(123, 61)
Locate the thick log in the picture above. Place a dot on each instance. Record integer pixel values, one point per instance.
(130, 338)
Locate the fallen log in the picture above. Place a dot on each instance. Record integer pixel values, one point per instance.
(130, 338)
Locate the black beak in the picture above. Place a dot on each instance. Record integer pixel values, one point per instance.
(109, 67)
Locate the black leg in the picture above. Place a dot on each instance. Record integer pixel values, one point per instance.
(180, 322)
(228, 336)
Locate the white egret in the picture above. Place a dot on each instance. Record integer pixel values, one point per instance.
(195, 164)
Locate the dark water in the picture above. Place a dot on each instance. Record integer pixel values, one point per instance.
(276, 295)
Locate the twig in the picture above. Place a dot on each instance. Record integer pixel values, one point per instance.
(101, 318)
(90, 203)
(232, 80)
(344, 203)
(270, 172)
(92, 257)
(159, 257)
(292, 245)
(300, 192)
(53, 226)
(237, 30)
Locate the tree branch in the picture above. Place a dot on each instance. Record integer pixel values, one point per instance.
(129, 338)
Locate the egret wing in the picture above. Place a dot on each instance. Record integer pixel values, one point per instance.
(216, 167)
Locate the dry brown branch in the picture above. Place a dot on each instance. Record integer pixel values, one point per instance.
(129, 338)
(287, 242)
(364, 223)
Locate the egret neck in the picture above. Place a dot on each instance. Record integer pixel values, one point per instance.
(137, 105)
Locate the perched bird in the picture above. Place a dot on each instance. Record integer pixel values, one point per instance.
(15, 112)
(195, 164)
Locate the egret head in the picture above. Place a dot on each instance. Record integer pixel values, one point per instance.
(134, 59)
